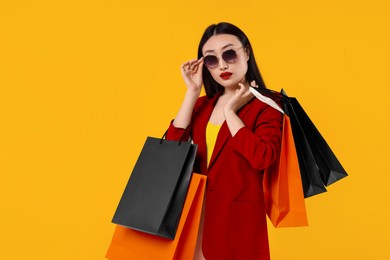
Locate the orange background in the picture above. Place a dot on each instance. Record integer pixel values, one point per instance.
(83, 83)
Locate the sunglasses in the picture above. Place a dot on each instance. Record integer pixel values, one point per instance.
(230, 56)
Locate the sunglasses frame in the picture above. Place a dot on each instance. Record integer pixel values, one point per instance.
(221, 56)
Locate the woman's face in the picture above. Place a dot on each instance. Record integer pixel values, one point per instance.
(231, 72)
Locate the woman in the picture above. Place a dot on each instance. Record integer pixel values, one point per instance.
(237, 135)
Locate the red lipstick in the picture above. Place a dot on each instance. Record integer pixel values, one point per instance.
(226, 75)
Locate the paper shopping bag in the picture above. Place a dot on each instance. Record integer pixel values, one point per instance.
(329, 168)
(154, 196)
(310, 175)
(131, 244)
(283, 193)
(319, 166)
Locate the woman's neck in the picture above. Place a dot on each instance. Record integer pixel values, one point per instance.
(229, 92)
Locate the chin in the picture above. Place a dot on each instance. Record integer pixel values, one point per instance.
(230, 84)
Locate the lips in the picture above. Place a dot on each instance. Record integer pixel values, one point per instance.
(226, 75)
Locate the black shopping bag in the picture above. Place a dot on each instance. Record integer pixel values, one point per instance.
(318, 159)
(318, 164)
(155, 193)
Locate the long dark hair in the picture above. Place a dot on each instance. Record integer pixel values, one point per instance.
(253, 73)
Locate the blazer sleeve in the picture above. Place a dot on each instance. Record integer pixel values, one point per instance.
(177, 133)
(183, 134)
(261, 147)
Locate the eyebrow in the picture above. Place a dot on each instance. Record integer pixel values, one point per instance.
(224, 47)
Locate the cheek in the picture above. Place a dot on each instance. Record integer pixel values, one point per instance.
(241, 68)
(244, 64)
(215, 74)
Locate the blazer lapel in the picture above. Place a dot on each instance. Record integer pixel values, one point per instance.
(224, 133)
(203, 119)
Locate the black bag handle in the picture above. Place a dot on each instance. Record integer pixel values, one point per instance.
(181, 138)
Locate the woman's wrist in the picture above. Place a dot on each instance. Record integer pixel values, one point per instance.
(192, 95)
(233, 121)
(183, 117)
(228, 111)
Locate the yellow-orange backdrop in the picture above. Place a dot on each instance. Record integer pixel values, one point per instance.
(82, 83)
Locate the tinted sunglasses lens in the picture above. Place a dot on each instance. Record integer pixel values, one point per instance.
(210, 61)
(229, 56)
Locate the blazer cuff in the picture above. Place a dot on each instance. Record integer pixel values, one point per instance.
(176, 133)
(259, 153)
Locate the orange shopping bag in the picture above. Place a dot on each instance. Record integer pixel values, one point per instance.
(283, 192)
(130, 244)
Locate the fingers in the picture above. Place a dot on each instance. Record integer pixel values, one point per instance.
(253, 84)
(243, 92)
(198, 65)
(242, 87)
(187, 65)
(240, 98)
(192, 66)
(200, 62)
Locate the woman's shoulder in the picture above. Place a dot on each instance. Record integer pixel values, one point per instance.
(257, 104)
(259, 107)
(203, 101)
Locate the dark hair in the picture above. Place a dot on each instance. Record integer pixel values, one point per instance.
(253, 73)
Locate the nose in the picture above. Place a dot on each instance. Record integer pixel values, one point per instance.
(222, 64)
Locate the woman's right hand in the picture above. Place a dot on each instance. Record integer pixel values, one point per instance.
(192, 75)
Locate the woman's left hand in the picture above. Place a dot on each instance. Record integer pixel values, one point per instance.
(240, 98)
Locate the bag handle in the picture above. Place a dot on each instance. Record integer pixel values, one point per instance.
(181, 138)
(265, 99)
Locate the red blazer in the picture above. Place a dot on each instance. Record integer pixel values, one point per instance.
(235, 224)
